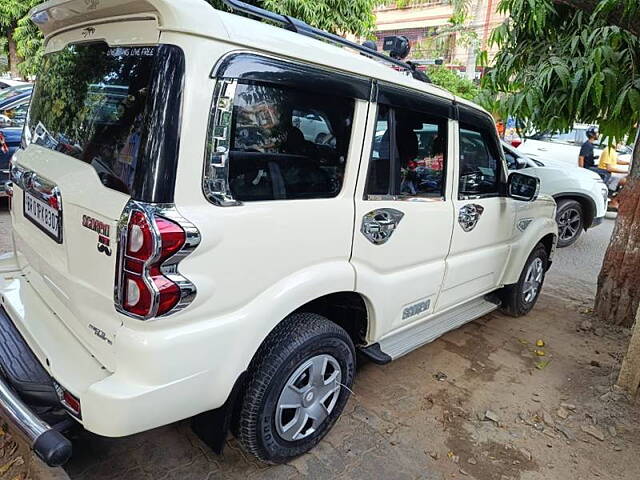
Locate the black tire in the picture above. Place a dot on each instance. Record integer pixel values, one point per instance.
(298, 339)
(516, 300)
(570, 219)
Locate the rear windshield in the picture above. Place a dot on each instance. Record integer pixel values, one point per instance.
(91, 102)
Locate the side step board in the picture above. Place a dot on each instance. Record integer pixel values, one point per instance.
(405, 341)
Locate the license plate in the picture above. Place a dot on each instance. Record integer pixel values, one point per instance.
(44, 216)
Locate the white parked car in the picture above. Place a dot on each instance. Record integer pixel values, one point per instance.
(563, 147)
(581, 194)
(185, 251)
(8, 83)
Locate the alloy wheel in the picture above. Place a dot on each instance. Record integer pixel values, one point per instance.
(569, 224)
(533, 280)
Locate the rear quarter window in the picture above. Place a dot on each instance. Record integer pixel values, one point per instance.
(287, 143)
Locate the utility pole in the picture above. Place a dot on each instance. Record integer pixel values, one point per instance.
(629, 378)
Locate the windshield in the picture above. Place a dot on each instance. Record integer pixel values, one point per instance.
(90, 103)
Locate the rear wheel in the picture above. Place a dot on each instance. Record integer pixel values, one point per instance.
(298, 386)
(570, 219)
(518, 299)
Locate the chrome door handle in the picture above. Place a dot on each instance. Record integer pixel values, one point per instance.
(379, 225)
(469, 215)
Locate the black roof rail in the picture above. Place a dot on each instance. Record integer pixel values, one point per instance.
(298, 26)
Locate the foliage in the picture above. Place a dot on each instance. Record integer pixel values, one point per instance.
(29, 41)
(558, 65)
(336, 16)
(13, 13)
(451, 81)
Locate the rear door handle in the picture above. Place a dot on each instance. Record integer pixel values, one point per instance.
(379, 225)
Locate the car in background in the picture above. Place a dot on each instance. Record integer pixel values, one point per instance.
(563, 147)
(14, 103)
(581, 195)
(16, 106)
(12, 92)
(9, 142)
(8, 83)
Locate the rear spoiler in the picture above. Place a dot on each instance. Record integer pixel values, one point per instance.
(55, 16)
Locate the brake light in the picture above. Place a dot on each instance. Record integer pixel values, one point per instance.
(151, 245)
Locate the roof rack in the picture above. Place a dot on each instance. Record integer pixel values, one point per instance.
(298, 26)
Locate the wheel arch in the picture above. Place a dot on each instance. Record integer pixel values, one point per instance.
(542, 230)
(589, 207)
(346, 309)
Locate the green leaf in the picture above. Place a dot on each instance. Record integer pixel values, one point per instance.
(634, 99)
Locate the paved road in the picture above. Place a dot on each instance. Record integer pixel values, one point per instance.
(579, 265)
(5, 238)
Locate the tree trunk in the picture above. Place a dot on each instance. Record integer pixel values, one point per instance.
(619, 281)
(629, 378)
(14, 58)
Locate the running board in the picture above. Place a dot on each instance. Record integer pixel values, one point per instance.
(405, 341)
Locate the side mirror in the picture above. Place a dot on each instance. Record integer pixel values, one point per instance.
(523, 187)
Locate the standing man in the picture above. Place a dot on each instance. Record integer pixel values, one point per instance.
(587, 157)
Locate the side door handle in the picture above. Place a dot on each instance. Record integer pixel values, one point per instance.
(469, 215)
(379, 225)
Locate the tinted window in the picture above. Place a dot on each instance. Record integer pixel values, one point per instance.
(90, 103)
(288, 143)
(479, 164)
(411, 162)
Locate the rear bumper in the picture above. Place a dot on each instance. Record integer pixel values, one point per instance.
(23, 377)
(114, 404)
(49, 444)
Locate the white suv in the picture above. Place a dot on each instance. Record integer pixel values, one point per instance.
(581, 194)
(564, 147)
(183, 250)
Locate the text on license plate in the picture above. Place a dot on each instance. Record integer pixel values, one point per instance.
(43, 215)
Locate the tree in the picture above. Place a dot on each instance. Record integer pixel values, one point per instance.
(336, 16)
(450, 80)
(566, 61)
(11, 12)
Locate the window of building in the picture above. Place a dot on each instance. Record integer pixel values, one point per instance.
(288, 143)
(409, 155)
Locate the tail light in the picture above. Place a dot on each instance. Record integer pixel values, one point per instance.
(152, 242)
(516, 143)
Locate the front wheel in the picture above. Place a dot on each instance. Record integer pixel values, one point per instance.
(298, 385)
(518, 299)
(570, 221)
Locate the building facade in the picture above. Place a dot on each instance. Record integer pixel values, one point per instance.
(427, 26)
